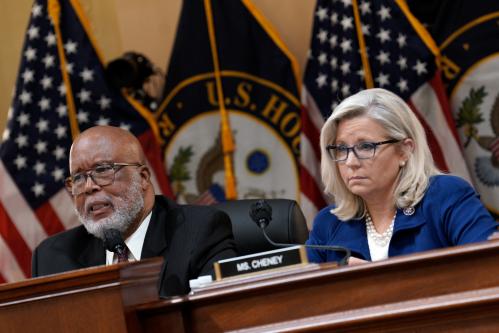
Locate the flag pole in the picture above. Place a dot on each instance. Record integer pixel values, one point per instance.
(228, 145)
(54, 11)
(368, 77)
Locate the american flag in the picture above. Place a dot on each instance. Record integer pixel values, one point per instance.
(45, 114)
(378, 43)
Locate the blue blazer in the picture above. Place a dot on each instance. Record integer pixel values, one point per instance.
(450, 213)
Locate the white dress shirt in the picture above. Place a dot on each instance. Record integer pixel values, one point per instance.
(134, 243)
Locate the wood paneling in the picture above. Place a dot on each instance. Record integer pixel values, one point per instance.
(89, 300)
(449, 290)
(454, 286)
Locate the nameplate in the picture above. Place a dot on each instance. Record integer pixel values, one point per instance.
(260, 262)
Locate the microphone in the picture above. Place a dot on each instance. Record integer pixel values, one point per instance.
(113, 241)
(261, 213)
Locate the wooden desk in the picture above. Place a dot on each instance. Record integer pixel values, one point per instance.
(450, 290)
(89, 300)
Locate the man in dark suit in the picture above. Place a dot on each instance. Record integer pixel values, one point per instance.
(111, 188)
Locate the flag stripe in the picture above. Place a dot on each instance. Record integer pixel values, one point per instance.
(311, 190)
(49, 219)
(312, 109)
(437, 153)
(63, 206)
(427, 103)
(9, 267)
(311, 197)
(494, 147)
(309, 160)
(205, 199)
(312, 134)
(15, 242)
(19, 211)
(155, 162)
(309, 209)
(438, 88)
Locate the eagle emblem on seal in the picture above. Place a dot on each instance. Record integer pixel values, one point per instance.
(469, 116)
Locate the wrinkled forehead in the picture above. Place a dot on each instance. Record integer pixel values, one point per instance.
(87, 152)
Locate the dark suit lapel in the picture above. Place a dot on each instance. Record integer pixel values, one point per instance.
(166, 220)
(94, 254)
(156, 240)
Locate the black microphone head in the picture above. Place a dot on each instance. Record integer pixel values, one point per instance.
(113, 241)
(261, 213)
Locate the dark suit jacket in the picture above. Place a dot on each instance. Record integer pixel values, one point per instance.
(189, 238)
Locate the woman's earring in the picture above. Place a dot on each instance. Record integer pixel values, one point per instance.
(402, 164)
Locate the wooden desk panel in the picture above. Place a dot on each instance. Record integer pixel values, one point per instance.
(450, 290)
(332, 294)
(90, 300)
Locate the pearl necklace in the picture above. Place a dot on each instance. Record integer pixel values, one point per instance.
(379, 239)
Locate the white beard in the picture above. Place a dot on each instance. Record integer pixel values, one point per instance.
(126, 210)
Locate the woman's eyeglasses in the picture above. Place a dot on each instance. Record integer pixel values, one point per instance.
(362, 150)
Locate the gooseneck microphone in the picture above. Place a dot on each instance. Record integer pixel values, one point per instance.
(261, 213)
(113, 241)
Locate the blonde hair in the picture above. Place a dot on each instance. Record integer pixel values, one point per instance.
(395, 116)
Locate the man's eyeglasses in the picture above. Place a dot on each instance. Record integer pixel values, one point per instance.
(362, 150)
(101, 175)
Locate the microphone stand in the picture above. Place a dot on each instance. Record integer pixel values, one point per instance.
(342, 262)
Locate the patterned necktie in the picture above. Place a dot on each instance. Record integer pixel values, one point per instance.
(123, 255)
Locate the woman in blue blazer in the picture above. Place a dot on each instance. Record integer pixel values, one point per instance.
(390, 199)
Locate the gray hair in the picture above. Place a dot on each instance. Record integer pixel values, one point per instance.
(127, 210)
(400, 122)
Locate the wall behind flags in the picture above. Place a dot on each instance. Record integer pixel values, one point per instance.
(146, 26)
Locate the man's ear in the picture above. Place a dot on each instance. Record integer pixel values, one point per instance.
(145, 176)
